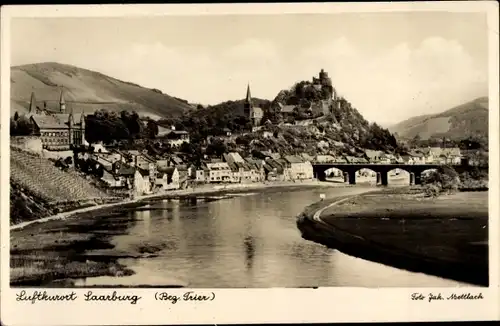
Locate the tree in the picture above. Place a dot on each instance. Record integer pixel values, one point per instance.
(216, 148)
(22, 126)
(68, 160)
(186, 148)
(13, 127)
(152, 129)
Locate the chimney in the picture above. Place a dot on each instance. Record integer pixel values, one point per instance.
(135, 161)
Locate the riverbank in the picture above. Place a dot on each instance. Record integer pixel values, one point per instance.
(186, 193)
(74, 245)
(445, 236)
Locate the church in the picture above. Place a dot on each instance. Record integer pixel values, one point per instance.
(253, 113)
(57, 129)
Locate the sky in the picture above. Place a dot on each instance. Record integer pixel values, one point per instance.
(390, 66)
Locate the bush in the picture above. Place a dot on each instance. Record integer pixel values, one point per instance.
(432, 190)
(474, 181)
(444, 178)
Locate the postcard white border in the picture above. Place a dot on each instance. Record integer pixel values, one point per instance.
(255, 305)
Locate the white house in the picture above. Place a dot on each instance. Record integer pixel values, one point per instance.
(325, 159)
(298, 168)
(219, 172)
(168, 179)
(142, 184)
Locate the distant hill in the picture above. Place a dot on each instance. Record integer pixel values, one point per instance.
(87, 90)
(469, 119)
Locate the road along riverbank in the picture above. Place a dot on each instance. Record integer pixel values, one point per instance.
(445, 236)
(79, 244)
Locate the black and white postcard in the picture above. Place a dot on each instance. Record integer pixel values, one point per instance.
(249, 163)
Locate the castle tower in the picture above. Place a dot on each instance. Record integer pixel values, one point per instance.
(247, 106)
(323, 75)
(32, 109)
(62, 103)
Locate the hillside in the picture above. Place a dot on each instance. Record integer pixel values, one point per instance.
(213, 119)
(37, 187)
(466, 120)
(87, 90)
(320, 123)
(330, 118)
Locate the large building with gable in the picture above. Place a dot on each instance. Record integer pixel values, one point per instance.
(57, 128)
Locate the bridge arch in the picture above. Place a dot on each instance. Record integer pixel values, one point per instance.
(381, 170)
(367, 175)
(400, 175)
(334, 174)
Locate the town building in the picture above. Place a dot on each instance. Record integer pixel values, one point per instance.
(174, 137)
(202, 174)
(408, 159)
(118, 176)
(453, 155)
(299, 169)
(241, 171)
(219, 172)
(418, 157)
(168, 178)
(257, 169)
(253, 113)
(373, 156)
(142, 182)
(287, 112)
(274, 170)
(57, 129)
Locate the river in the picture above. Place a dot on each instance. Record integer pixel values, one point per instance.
(247, 241)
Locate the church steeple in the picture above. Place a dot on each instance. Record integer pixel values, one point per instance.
(71, 120)
(32, 108)
(62, 102)
(247, 105)
(248, 99)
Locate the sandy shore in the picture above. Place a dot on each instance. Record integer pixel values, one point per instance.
(201, 190)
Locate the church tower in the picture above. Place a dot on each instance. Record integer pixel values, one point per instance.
(247, 106)
(70, 127)
(82, 128)
(32, 109)
(62, 103)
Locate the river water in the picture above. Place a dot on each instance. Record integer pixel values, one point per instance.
(248, 241)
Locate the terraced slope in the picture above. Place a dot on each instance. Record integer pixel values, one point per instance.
(43, 180)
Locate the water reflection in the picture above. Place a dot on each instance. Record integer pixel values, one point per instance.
(249, 251)
(249, 241)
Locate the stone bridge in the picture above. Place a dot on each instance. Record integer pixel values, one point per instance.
(382, 170)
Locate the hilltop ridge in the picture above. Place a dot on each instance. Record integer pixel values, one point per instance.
(466, 120)
(85, 89)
